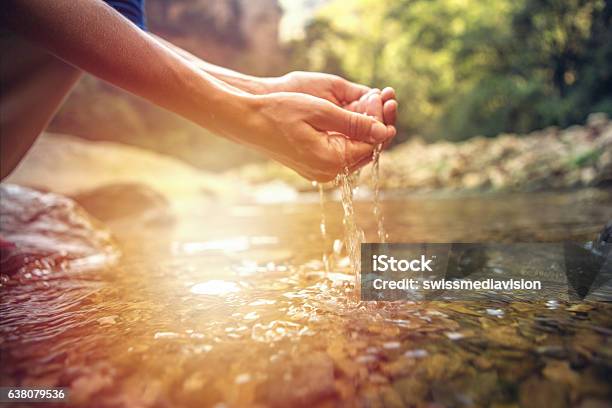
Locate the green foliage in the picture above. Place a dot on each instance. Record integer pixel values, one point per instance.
(468, 67)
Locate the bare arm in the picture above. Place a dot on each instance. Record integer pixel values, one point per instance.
(331, 87)
(94, 37)
(248, 83)
(311, 135)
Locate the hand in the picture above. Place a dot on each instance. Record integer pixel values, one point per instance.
(337, 90)
(381, 105)
(313, 136)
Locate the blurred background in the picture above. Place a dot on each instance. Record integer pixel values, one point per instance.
(461, 68)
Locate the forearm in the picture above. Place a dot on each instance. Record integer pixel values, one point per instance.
(248, 83)
(92, 36)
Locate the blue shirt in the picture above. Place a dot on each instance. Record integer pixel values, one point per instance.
(133, 10)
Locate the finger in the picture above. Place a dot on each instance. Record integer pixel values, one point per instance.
(357, 154)
(356, 166)
(374, 107)
(388, 142)
(332, 118)
(353, 106)
(390, 112)
(367, 159)
(349, 91)
(387, 94)
(362, 104)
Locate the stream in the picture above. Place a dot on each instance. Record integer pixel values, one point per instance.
(234, 306)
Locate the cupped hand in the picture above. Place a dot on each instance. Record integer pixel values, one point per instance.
(327, 86)
(313, 136)
(339, 91)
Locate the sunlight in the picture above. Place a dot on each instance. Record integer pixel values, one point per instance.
(215, 287)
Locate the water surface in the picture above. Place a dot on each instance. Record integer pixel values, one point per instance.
(232, 307)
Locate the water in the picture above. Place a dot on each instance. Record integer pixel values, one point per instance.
(353, 235)
(237, 309)
(323, 227)
(378, 214)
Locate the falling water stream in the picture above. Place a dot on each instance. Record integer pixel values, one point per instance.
(380, 219)
(323, 227)
(353, 235)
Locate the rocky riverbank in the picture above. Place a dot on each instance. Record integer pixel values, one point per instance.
(552, 158)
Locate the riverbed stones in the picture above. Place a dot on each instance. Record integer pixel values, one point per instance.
(301, 383)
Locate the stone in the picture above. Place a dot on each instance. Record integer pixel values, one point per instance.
(133, 201)
(538, 393)
(302, 383)
(49, 231)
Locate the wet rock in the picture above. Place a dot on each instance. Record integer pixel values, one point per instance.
(594, 403)
(507, 336)
(412, 390)
(538, 393)
(559, 371)
(48, 231)
(126, 201)
(391, 398)
(301, 384)
(474, 391)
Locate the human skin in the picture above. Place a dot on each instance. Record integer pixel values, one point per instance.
(314, 136)
(333, 88)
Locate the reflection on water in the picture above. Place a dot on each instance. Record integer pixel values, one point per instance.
(232, 307)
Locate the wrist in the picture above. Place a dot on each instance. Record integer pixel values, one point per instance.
(270, 85)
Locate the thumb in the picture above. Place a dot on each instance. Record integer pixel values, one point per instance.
(355, 126)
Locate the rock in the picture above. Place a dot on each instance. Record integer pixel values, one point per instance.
(391, 398)
(594, 403)
(70, 165)
(45, 230)
(507, 336)
(302, 384)
(597, 121)
(126, 200)
(538, 393)
(412, 390)
(559, 371)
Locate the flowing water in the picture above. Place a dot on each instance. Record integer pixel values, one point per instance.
(380, 218)
(232, 307)
(323, 227)
(353, 235)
